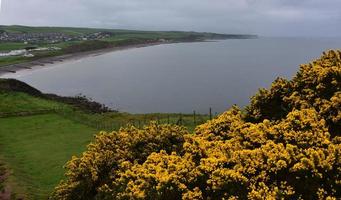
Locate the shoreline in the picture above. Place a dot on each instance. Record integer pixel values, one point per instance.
(44, 62)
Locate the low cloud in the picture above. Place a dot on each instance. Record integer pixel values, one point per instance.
(263, 17)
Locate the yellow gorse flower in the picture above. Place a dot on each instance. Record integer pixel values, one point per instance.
(285, 145)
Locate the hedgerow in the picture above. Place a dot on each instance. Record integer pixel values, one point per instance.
(285, 145)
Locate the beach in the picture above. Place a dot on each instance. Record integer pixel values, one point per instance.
(42, 62)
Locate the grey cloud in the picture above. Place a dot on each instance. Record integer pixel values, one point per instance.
(263, 17)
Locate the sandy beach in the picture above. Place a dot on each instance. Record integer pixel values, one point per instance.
(13, 68)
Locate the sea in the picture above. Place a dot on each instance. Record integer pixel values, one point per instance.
(180, 77)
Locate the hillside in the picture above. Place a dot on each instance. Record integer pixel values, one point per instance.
(285, 145)
(40, 132)
(82, 31)
(59, 41)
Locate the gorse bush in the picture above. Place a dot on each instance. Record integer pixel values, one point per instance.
(105, 157)
(285, 145)
(317, 85)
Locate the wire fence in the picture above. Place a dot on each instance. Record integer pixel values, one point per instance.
(109, 123)
(26, 113)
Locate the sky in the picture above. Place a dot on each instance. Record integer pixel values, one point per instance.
(310, 18)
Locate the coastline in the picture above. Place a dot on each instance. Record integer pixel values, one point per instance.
(42, 62)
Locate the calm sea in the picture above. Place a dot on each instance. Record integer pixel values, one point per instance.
(180, 77)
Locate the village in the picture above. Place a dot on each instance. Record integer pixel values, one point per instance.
(42, 38)
(50, 37)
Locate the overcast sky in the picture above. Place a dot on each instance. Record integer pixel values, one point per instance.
(263, 17)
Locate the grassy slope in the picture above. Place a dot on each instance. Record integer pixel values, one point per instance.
(118, 35)
(11, 46)
(119, 38)
(36, 147)
(66, 30)
(16, 102)
(80, 31)
(21, 102)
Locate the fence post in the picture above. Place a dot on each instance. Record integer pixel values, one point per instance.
(168, 119)
(210, 113)
(194, 118)
(180, 118)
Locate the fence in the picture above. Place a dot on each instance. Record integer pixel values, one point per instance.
(108, 123)
(26, 113)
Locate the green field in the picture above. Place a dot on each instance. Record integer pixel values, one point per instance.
(11, 46)
(66, 30)
(118, 38)
(35, 146)
(16, 102)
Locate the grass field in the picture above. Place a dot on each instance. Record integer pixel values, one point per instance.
(66, 30)
(118, 38)
(118, 35)
(12, 46)
(36, 147)
(17, 102)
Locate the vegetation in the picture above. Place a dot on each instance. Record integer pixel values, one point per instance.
(13, 60)
(317, 85)
(117, 38)
(36, 147)
(119, 32)
(86, 46)
(12, 46)
(16, 94)
(40, 132)
(30, 138)
(285, 145)
(3, 172)
(66, 30)
(21, 102)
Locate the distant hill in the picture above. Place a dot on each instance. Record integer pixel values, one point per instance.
(69, 40)
(81, 31)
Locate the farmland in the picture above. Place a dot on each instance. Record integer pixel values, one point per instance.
(75, 40)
